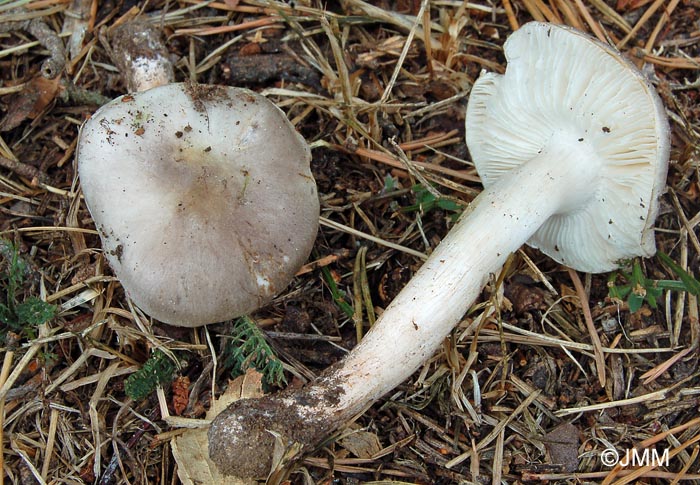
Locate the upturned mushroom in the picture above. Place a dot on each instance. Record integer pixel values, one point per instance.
(572, 144)
(203, 198)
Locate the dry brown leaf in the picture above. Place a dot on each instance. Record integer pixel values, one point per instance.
(191, 449)
(562, 444)
(181, 394)
(362, 444)
(245, 386)
(624, 5)
(30, 102)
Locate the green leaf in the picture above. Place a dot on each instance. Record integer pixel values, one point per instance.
(338, 295)
(7, 316)
(248, 348)
(17, 269)
(639, 288)
(653, 294)
(449, 205)
(389, 183)
(427, 201)
(423, 195)
(34, 311)
(619, 292)
(691, 284)
(157, 370)
(635, 302)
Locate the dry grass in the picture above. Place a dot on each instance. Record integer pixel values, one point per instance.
(379, 91)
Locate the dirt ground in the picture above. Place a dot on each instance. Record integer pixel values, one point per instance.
(517, 393)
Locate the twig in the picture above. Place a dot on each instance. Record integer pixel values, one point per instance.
(526, 337)
(535, 12)
(570, 14)
(410, 167)
(78, 21)
(497, 466)
(510, 13)
(652, 374)
(692, 63)
(682, 474)
(428, 45)
(12, 341)
(548, 13)
(640, 23)
(665, 17)
(611, 14)
(53, 66)
(22, 364)
(595, 339)
(545, 477)
(394, 162)
(224, 29)
(687, 226)
(23, 170)
(646, 468)
(50, 442)
(28, 463)
(404, 52)
(321, 262)
(495, 432)
(406, 22)
(303, 336)
(595, 26)
(652, 396)
(341, 227)
(343, 74)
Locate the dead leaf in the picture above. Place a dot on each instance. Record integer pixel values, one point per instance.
(362, 444)
(191, 449)
(30, 102)
(245, 386)
(181, 394)
(283, 454)
(525, 298)
(625, 5)
(562, 444)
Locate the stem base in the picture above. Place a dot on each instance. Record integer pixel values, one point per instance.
(252, 435)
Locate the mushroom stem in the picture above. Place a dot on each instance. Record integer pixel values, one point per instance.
(141, 56)
(500, 220)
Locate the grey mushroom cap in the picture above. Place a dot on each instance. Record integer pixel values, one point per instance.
(203, 198)
(559, 80)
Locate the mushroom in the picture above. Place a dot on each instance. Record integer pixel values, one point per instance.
(138, 51)
(203, 198)
(572, 144)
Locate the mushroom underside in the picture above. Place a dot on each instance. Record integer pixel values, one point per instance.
(518, 201)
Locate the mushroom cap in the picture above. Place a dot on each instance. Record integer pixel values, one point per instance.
(203, 198)
(558, 78)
